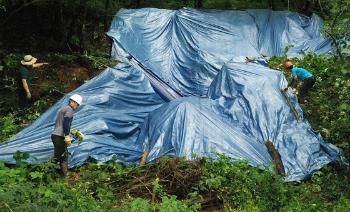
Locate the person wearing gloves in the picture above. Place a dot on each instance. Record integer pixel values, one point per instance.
(23, 80)
(303, 75)
(60, 135)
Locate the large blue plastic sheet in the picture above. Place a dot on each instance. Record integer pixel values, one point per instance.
(115, 103)
(188, 91)
(245, 109)
(186, 48)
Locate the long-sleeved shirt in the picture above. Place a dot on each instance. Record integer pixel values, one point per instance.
(64, 120)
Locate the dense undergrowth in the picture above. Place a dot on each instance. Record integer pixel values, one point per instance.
(173, 184)
(217, 185)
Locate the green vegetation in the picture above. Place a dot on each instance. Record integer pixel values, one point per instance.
(79, 50)
(201, 184)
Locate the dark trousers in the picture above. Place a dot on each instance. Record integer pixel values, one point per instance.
(60, 152)
(23, 102)
(306, 87)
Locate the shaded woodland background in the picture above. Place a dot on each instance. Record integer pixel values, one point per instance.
(79, 25)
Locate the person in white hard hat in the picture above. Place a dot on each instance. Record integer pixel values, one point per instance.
(23, 80)
(60, 135)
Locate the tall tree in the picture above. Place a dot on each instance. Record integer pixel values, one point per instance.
(81, 25)
(198, 3)
(57, 30)
(337, 23)
(138, 3)
(271, 4)
(106, 16)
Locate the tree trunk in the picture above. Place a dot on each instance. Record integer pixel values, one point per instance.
(57, 27)
(198, 4)
(276, 158)
(272, 4)
(349, 158)
(138, 3)
(307, 8)
(81, 26)
(106, 17)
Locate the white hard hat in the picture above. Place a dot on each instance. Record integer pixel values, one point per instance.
(77, 98)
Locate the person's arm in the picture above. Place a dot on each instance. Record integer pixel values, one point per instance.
(294, 76)
(294, 81)
(36, 65)
(67, 121)
(66, 125)
(26, 88)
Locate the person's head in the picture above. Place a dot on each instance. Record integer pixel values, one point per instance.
(288, 65)
(28, 60)
(75, 101)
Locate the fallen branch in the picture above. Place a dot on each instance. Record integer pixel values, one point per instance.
(143, 184)
(7, 206)
(276, 157)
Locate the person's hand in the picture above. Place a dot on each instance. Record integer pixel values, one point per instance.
(29, 95)
(68, 140)
(295, 91)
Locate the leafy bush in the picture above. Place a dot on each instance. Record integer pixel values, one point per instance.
(238, 185)
(8, 127)
(39, 188)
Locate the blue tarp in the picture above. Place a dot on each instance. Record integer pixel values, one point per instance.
(186, 48)
(187, 91)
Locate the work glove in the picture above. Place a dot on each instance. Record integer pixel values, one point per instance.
(29, 95)
(68, 140)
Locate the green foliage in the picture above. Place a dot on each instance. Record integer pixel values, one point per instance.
(101, 62)
(39, 188)
(167, 204)
(12, 61)
(11, 123)
(135, 205)
(58, 59)
(238, 185)
(235, 4)
(9, 64)
(173, 5)
(171, 204)
(337, 23)
(2, 6)
(20, 158)
(8, 127)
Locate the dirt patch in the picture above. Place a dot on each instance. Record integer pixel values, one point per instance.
(71, 78)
